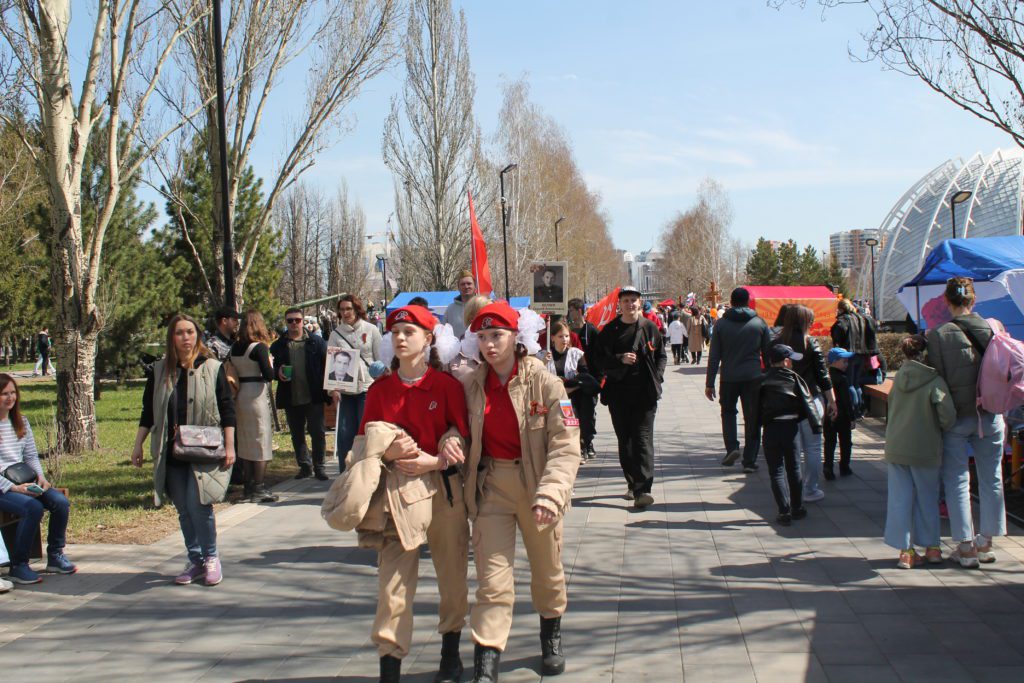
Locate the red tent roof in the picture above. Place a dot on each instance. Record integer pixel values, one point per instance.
(789, 292)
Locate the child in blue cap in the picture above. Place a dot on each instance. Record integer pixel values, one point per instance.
(839, 428)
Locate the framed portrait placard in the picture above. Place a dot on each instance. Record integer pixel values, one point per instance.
(342, 369)
(550, 293)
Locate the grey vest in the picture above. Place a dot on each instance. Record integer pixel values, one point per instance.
(202, 410)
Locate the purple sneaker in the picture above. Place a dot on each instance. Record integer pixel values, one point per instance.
(214, 575)
(192, 572)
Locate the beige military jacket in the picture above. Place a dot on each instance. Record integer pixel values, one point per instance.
(371, 495)
(548, 432)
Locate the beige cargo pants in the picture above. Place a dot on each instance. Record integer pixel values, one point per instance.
(506, 504)
(398, 574)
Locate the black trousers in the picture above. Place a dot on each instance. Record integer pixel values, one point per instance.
(783, 468)
(677, 353)
(633, 421)
(300, 419)
(585, 408)
(841, 431)
(748, 394)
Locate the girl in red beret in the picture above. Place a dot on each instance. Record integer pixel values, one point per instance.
(430, 406)
(523, 457)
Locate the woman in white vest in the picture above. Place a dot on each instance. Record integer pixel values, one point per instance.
(353, 331)
(187, 387)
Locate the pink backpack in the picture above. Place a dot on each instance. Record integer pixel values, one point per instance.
(1001, 374)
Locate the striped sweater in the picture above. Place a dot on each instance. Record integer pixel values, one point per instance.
(14, 450)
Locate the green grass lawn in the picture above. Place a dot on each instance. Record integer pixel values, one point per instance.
(18, 367)
(112, 502)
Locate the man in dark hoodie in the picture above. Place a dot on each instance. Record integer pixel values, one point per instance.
(740, 344)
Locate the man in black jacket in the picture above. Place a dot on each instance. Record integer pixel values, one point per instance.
(300, 360)
(631, 355)
(740, 343)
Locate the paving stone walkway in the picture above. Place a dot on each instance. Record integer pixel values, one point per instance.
(700, 587)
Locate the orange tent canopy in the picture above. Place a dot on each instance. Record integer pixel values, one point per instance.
(767, 300)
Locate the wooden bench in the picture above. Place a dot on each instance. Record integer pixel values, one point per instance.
(877, 398)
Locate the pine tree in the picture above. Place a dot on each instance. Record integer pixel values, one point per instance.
(812, 271)
(763, 264)
(834, 277)
(196, 193)
(789, 264)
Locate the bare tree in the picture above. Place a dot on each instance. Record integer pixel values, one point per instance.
(130, 46)
(696, 246)
(323, 240)
(429, 140)
(345, 42)
(969, 51)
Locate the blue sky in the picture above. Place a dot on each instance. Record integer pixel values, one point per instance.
(657, 95)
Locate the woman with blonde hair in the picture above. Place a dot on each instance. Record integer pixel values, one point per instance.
(468, 358)
(523, 458)
(250, 356)
(188, 387)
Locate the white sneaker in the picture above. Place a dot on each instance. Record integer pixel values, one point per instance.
(5, 585)
(814, 496)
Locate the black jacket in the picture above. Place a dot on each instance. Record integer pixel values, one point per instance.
(784, 393)
(651, 358)
(811, 368)
(841, 386)
(316, 363)
(740, 340)
(855, 332)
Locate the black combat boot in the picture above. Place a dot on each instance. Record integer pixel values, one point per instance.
(390, 670)
(485, 664)
(450, 670)
(553, 662)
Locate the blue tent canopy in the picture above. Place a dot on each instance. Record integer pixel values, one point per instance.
(980, 258)
(438, 301)
(989, 261)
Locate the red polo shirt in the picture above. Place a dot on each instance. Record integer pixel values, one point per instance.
(501, 426)
(426, 410)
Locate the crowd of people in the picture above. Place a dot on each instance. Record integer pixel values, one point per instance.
(462, 433)
(792, 394)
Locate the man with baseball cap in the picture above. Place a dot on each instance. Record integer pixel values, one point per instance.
(785, 400)
(631, 355)
(223, 337)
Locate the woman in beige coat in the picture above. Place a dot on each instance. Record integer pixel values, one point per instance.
(695, 335)
(523, 457)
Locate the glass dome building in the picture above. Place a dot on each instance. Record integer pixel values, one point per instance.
(923, 217)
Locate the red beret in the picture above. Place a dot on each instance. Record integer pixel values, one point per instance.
(496, 316)
(416, 315)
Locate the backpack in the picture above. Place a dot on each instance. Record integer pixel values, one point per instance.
(1001, 373)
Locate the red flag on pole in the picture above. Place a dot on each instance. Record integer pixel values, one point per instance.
(481, 269)
(605, 310)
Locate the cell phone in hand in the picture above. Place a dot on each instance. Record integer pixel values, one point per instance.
(35, 488)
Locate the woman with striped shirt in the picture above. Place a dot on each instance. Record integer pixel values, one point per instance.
(28, 501)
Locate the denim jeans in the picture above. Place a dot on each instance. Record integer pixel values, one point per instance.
(350, 416)
(912, 513)
(30, 510)
(197, 521)
(809, 444)
(747, 393)
(987, 449)
(783, 466)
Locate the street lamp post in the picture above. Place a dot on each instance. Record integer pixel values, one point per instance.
(384, 274)
(222, 145)
(560, 219)
(872, 242)
(504, 222)
(959, 198)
